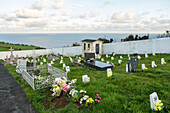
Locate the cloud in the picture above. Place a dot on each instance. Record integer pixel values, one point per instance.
(30, 13)
(107, 2)
(125, 17)
(59, 4)
(94, 13)
(66, 13)
(164, 21)
(62, 19)
(145, 13)
(82, 16)
(39, 4)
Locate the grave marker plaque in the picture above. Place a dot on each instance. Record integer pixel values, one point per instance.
(133, 64)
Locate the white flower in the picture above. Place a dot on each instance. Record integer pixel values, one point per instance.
(87, 101)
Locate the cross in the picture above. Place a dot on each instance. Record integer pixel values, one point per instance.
(11, 51)
(34, 58)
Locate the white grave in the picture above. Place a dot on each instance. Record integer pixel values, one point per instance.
(153, 64)
(120, 61)
(102, 59)
(64, 65)
(49, 64)
(162, 61)
(21, 65)
(41, 63)
(139, 57)
(52, 62)
(44, 60)
(144, 67)
(85, 79)
(61, 61)
(146, 55)
(127, 68)
(121, 57)
(112, 58)
(109, 72)
(153, 99)
(61, 57)
(107, 56)
(107, 62)
(67, 69)
(128, 55)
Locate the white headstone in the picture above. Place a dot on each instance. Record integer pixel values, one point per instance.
(41, 63)
(143, 66)
(52, 62)
(107, 62)
(85, 79)
(67, 69)
(61, 61)
(139, 57)
(44, 60)
(107, 56)
(71, 60)
(112, 58)
(128, 55)
(64, 66)
(38, 59)
(58, 80)
(49, 64)
(153, 99)
(109, 72)
(53, 59)
(61, 57)
(162, 61)
(129, 58)
(146, 55)
(153, 64)
(127, 68)
(121, 57)
(120, 61)
(32, 60)
(102, 59)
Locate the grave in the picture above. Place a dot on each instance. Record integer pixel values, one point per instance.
(94, 64)
(11, 59)
(21, 65)
(132, 65)
(52, 57)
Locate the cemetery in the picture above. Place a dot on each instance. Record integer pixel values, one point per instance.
(57, 84)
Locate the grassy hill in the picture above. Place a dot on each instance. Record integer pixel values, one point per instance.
(123, 92)
(6, 47)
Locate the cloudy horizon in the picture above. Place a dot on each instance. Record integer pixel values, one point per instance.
(72, 16)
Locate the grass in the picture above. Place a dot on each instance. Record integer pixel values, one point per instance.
(123, 92)
(6, 47)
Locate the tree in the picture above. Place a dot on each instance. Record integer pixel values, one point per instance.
(111, 40)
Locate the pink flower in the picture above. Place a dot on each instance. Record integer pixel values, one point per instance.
(55, 82)
(98, 98)
(64, 87)
(118, 63)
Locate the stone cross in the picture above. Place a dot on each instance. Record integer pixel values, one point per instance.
(12, 56)
(34, 58)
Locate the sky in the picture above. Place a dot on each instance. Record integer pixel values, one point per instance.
(84, 16)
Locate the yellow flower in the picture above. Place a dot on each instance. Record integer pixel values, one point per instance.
(156, 103)
(82, 91)
(90, 100)
(159, 108)
(156, 109)
(110, 74)
(164, 62)
(161, 104)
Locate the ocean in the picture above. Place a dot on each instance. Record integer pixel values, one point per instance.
(52, 40)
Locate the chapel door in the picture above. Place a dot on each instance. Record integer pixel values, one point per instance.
(97, 48)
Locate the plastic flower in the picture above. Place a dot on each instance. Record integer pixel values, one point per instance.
(82, 91)
(64, 87)
(73, 81)
(139, 57)
(98, 98)
(90, 100)
(145, 68)
(158, 105)
(110, 74)
(164, 62)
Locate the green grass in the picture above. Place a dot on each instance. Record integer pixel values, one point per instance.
(6, 47)
(123, 92)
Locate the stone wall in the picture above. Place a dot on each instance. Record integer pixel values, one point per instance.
(142, 46)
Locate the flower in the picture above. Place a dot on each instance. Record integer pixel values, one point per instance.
(82, 91)
(110, 74)
(64, 87)
(118, 63)
(90, 100)
(98, 98)
(164, 62)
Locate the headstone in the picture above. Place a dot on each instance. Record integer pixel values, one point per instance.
(153, 64)
(41, 63)
(109, 72)
(44, 60)
(52, 62)
(163, 61)
(153, 99)
(85, 79)
(62, 57)
(128, 55)
(17, 57)
(67, 69)
(32, 60)
(49, 64)
(61, 61)
(53, 59)
(153, 54)
(146, 55)
(71, 60)
(12, 56)
(139, 57)
(88, 56)
(121, 57)
(144, 67)
(102, 59)
(21, 65)
(132, 65)
(112, 58)
(107, 56)
(6, 57)
(120, 61)
(107, 62)
(64, 66)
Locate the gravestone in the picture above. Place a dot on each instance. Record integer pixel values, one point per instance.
(102, 59)
(61, 61)
(153, 64)
(107, 56)
(88, 56)
(64, 66)
(11, 59)
(21, 65)
(112, 58)
(146, 55)
(121, 57)
(109, 72)
(162, 61)
(132, 65)
(52, 62)
(67, 69)
(153, 99)
(144, 67)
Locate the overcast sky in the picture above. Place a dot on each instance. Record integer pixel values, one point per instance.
(84, 16)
